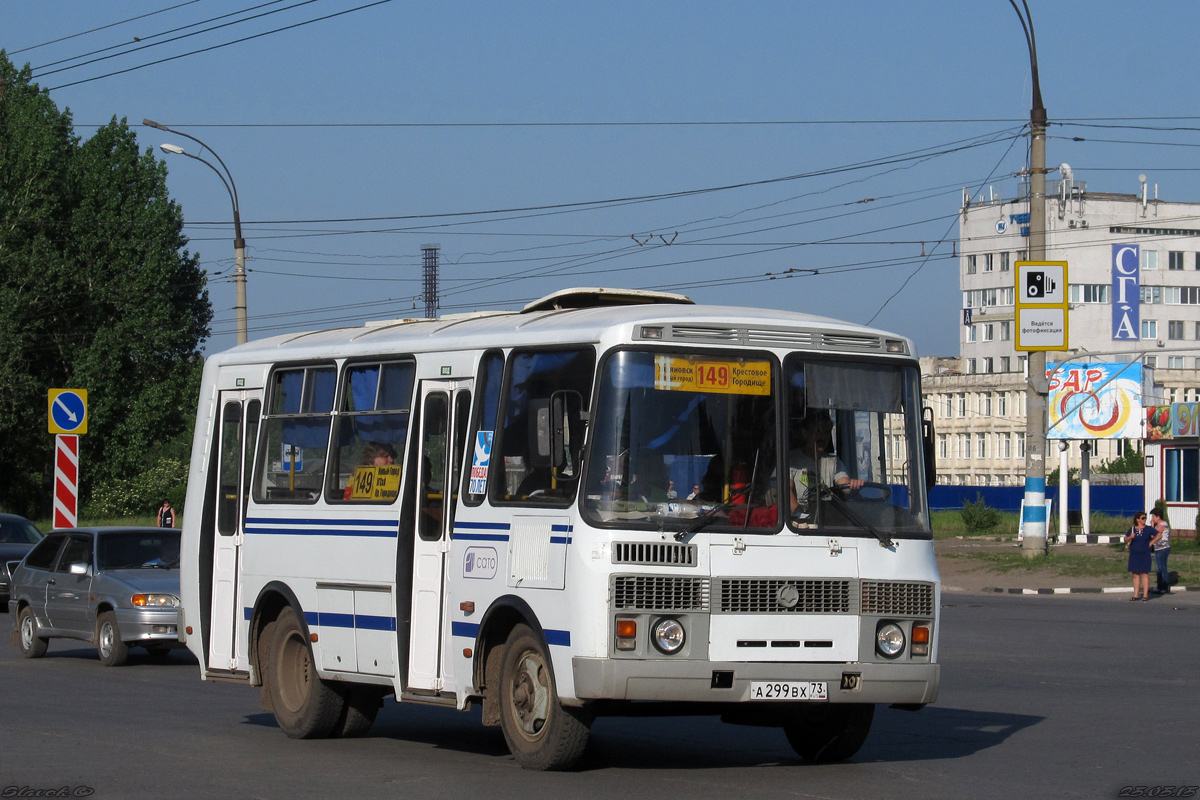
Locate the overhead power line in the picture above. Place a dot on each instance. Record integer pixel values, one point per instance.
(102, 27)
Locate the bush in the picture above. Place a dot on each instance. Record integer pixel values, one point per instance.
(141, 494)
(978, 516)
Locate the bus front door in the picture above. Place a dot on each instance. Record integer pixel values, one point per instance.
(240, 412)
(445, 407)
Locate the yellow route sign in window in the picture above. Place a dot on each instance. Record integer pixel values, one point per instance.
(711, 375)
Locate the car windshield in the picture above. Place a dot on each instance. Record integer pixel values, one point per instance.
(138, 549)
(690, 441)
(18, 531)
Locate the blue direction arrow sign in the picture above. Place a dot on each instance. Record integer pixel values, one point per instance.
(68, 410)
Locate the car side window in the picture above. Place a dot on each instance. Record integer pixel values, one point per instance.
(77, 551)
(42, 555)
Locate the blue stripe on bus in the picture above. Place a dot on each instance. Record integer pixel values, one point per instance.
(481, 537)
(326, 619)
(326, 532)
(375, 523)
(483, 526)
(470, 630)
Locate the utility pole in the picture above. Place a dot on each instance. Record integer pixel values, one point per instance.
(1033, 521)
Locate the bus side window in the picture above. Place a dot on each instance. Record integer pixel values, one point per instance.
(483, 428)
(370, 432)
(541, 442)
(296, 440)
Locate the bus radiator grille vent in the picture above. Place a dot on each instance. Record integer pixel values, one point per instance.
(659, 593)
(654, 553)
(895, 598)
(785, 596)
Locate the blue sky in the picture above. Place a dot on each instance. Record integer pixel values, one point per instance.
(848, 132)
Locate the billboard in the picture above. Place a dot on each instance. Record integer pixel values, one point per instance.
(1095, 400)
(1126, 292)
(1175, 420)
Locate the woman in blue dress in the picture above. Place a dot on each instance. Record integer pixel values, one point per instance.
(1139, 539)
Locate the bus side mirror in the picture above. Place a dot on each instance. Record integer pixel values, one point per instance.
(566, 411)
(928, 447)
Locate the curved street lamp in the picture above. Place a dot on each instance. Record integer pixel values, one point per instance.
(239, 244)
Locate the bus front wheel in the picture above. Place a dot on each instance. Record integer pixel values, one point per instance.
(831, 732)
(542, 734)
(305, 706)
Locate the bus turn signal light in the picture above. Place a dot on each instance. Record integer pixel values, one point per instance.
(626, 634)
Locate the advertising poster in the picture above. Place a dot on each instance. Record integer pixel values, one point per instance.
(1095, 400)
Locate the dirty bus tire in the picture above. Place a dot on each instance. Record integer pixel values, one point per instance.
(112, 650)
(32, 645)
(541, 733)
(305, 706)
(829, 732)
(361, 705)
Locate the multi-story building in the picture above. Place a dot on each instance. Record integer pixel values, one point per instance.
(1134, 293)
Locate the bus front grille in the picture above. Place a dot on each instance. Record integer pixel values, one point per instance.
(897, 598)
(659, 593)
(785, 596)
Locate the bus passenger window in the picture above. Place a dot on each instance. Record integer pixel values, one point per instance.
(292, 462)
(541, 443)
(370, 432)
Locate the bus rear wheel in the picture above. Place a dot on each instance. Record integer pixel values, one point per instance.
(833, 732)
(305, 706)
(542, 734)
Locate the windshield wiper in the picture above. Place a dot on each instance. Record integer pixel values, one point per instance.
(844, 507)
(704, 519)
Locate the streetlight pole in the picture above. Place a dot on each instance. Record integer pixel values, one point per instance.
(1033, 522)
(239, 244)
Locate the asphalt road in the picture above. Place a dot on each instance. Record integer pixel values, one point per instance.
(1069, 696)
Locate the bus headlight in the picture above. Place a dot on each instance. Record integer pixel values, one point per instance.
(668, 636)
(889, 640)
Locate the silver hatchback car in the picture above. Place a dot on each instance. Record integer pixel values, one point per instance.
(115, 587)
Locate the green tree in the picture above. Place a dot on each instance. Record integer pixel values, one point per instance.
(96, 292)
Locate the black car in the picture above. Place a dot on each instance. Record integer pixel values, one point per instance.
(17, 537)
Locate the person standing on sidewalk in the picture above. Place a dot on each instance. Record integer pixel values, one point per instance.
(166, 515)
(1139, 539)
(1162, 550)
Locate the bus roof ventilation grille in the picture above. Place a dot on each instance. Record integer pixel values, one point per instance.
(667, 554)
(850, 341)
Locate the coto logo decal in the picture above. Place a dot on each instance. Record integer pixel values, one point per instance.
(480, 563)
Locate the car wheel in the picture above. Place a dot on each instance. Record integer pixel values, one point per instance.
(305, 706)
(32, 645)
(113, 651)
(541, 733)
(833, 732)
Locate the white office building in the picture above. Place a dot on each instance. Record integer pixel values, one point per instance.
(1134, 293)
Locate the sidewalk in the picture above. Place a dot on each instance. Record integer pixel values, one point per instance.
(970, 575)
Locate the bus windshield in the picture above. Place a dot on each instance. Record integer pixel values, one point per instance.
(680, 437)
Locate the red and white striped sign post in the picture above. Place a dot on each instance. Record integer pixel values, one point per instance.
(66, 481)
(67, 418)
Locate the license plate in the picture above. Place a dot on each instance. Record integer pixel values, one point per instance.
(789, 690)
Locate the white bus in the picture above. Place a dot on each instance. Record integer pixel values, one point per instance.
(610, 502)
